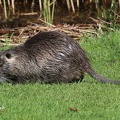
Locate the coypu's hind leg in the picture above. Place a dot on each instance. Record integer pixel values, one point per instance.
(81, 78)
(77, 79)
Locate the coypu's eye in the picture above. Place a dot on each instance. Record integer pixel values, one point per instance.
(8, 55)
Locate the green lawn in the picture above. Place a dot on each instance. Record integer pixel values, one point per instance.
(90, 99)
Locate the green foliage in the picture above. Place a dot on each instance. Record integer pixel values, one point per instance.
(93, 100)
(48, 11)
(109, 41)
(108, 13)
(7, 42)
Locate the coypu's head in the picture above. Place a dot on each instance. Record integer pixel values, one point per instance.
(16, 64)
(10, 63)
(7, 58)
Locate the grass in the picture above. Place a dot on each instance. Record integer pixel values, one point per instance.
(93, 100)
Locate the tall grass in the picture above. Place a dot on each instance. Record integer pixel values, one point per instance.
(106, 10)
(48, 11)
(5, 9)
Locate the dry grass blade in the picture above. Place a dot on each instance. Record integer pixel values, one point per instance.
(8, 2)
(40, 5)
(72, 5)
(13, 7)
(5, 9)
(119, 3)
(73, 109)
(46, 22)
(116, 13)
(68, 5)
(78, 3)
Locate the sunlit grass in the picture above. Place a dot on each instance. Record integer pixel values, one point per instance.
(90, 99)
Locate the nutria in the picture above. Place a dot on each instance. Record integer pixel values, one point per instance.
(48, 57)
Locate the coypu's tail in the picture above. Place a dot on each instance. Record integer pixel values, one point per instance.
(98, 77)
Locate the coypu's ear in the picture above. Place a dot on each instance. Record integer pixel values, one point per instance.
(8, 55)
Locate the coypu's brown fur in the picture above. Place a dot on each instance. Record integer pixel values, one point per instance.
(48, 57)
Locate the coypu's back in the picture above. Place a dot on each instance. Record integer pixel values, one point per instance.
(49, 57)
(63, 60)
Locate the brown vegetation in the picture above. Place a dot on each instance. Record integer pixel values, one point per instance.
(101, 15)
